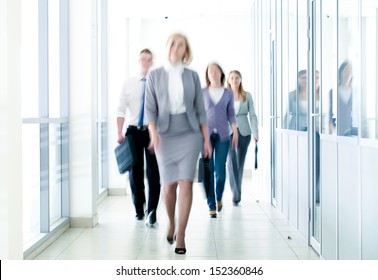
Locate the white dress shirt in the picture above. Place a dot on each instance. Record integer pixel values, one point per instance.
(175, 88)
(130, 101)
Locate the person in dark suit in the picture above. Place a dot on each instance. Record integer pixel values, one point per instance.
(177, 120)
(132, 104)
(244, 108)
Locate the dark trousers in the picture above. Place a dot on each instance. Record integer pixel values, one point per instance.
(235, 165)
(136, 175)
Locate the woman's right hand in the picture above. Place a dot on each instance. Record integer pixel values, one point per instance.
(121, 138)
(154, 142)
(207, 149)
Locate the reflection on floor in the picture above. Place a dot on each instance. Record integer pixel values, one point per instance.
(254, 230)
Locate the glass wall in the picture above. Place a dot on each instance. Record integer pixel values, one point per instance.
(285, 63)
(280, 112)
(31, 185)
(329, 66)
(44, 76)
(325, 83)
(348, 93)
(54, 58)
(369, 73)
(102, 99)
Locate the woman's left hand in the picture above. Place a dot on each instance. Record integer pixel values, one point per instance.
(235, 139)
(207, 149)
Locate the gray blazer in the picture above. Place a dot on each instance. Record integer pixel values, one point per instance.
(157, 100)
(247, 107)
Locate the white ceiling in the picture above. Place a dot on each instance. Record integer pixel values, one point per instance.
(185, 8)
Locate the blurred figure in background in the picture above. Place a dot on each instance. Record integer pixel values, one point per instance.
(244, 108)
(132, 104)
(346, 120)
(219, 104)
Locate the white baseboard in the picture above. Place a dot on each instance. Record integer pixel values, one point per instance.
(117, 191)
(77, 222)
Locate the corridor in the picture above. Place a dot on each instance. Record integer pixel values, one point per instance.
(254, 230)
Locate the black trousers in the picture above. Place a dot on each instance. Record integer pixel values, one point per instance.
(136, 175)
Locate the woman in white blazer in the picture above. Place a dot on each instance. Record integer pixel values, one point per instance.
(244, 107)
(177, 119)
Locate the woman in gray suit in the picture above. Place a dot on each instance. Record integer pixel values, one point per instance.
(244, 107)
(176, 115)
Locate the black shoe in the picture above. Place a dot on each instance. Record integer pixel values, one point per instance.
(151, 219)
(180, 251)
(170, 240)
(236, 204)
(213, 214)
(139, 217)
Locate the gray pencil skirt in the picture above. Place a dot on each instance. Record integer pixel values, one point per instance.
(178, 152)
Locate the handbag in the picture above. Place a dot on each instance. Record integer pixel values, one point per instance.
(126, 155)
(204, 174)
(256, 150)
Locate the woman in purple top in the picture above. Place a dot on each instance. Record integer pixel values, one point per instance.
(219, 105)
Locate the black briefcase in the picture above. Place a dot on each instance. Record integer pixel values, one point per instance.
(125, 155)
(204, 174)
(256, 150)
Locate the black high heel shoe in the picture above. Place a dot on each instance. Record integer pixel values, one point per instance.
(171, 239)
(180, 251)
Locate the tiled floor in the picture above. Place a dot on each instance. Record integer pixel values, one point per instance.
(254, 230)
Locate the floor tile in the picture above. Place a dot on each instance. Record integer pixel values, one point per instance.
(253, 230)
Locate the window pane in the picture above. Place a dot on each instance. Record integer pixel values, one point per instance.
(348, 95)
(101, 155)
(301, 77)
(31, 180)
(294, 117)
(54, 58)
(329, 66)
(369, 73)
(285, 62)
(99, 60)
(280, 112)
(29, 59)
(55, 171)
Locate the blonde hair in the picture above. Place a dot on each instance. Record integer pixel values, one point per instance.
(241, 90)
(188, 57)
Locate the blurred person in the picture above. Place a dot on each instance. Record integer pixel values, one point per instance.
(346, 120)
(298, 112)
(244, 108)
(177, 121)
(219, 104)
(132, 103)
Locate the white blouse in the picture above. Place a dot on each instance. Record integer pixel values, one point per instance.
(175, 88)
(236, 106)
(216, 94)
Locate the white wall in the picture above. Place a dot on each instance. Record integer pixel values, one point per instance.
(11, 240)
(83, 114)
(118, 71)
(226, 40)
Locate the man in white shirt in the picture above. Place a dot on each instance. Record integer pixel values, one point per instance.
(131, 105)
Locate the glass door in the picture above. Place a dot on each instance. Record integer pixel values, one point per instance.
(273, 121)
(315, 123)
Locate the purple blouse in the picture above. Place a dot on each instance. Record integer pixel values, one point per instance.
(222, 115)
